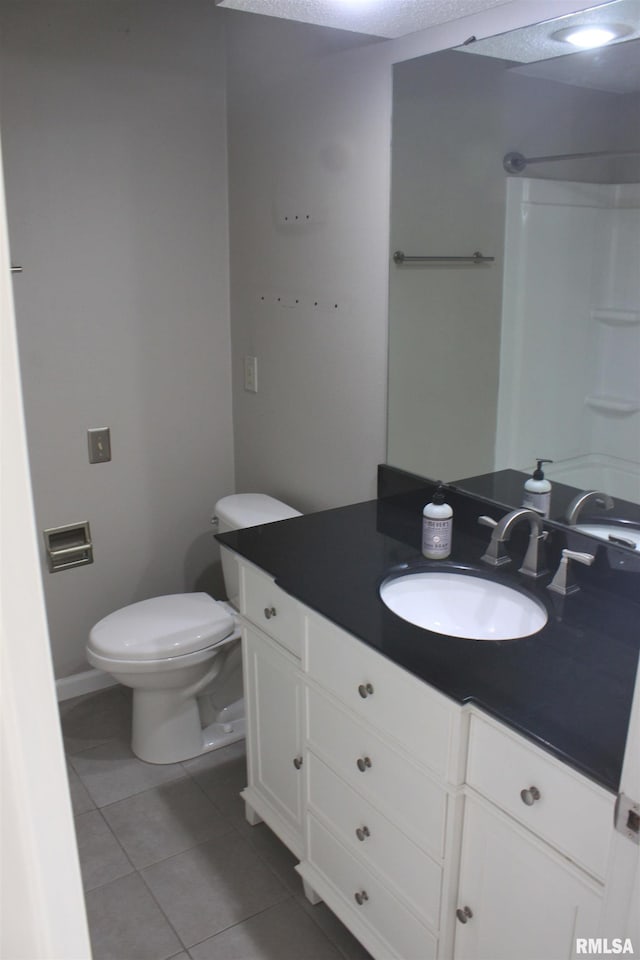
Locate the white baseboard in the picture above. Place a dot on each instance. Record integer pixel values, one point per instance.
(80, 683)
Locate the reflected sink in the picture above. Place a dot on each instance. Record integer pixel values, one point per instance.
(463, 604)
(625, 533)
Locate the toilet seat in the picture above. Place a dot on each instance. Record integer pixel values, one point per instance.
(163, 665)
(164, 628)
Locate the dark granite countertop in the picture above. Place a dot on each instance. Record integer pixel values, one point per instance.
(507, 487)
(568, 688)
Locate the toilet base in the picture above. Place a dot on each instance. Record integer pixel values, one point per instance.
(167, 728)
(222, 734)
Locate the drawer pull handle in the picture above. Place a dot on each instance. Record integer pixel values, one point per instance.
(464, 914)
(363, 764)
(269, 612)
(361, 896)
(365, 690)
(362, 833)
(530, 796)
(297, 762)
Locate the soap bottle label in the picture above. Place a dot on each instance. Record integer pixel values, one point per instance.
(436, 538)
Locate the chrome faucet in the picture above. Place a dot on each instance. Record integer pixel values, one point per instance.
(496, 555)
(601, 500)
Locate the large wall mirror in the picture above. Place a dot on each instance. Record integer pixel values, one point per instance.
(514, 313)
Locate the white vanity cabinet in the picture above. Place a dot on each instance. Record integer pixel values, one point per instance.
(430, 829)
(273, 700)
(382, 777)
(534, 851)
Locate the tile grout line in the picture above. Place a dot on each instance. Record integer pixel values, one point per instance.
(296, 897)
(231, 925)
(184, 776)
(161, 909)
(269, 858)
(239, 923)
(134, 869)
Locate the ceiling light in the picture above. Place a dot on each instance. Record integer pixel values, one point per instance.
(587, 37)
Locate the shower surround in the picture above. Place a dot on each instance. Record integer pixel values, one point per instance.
(572, 293)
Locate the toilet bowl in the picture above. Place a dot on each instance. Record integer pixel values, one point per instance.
(181, 654)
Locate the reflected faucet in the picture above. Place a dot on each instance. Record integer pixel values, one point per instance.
(496, 555)
(601, 500)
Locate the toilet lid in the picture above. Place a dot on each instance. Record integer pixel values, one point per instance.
(162, 627)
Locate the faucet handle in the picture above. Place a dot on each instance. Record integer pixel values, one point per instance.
(562, 583)
(487, 521)
(586, 558)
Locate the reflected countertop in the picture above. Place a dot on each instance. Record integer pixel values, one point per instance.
(568, 688)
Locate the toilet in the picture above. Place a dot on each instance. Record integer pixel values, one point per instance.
(181, 653)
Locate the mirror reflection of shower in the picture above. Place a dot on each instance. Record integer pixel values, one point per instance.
(571, 282)
(538, 352)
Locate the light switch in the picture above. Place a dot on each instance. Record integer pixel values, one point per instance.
(99, 445)
(251, 374)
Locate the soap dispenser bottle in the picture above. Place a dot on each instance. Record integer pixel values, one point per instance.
(537, 491)
(437, 521)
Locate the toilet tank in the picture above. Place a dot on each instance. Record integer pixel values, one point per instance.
(242, 510)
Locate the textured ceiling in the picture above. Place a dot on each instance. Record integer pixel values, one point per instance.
(537, 42)
(380, 18)
(614, 67)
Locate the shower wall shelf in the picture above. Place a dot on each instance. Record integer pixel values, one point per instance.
(616, 318)
(620, 406)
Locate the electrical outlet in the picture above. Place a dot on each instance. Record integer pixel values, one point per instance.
(99, 445)
(251, 374)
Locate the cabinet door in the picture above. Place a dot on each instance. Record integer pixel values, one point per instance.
(273, 696)
(517, 898)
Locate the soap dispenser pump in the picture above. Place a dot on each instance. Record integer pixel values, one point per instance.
(537, 491)
(436, 527)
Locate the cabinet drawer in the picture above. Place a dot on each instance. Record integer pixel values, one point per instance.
(372, 767)
(424, 721)
(571, 813)
(270, 609)
(407, 938)
(410, 873)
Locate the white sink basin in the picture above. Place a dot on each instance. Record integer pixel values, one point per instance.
(606, 530)
(461, 604)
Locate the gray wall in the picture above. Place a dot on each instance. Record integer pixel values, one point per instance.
(309, 169)
(114, 134)
(114, 125)
(309, 136)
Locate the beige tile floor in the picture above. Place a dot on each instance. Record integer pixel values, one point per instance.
(171, 868)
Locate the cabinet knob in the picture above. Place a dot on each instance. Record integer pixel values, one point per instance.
(297, 762)
(362, 833)
(464, 914)
(361, 896)
(269, 612)
(365, 690)
(530, 796)
(363, 764)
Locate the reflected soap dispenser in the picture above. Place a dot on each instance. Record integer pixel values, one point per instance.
(437, 522)
(537, 491)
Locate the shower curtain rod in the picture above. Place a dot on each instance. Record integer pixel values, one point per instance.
(515, 162)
